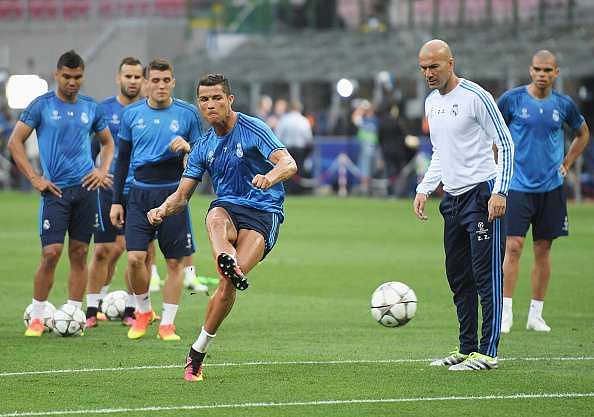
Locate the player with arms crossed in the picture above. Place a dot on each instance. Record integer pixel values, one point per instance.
(536, 115)
(155, 135)
(464, 125)
(247, 164)
(64, 121)
(109, 240)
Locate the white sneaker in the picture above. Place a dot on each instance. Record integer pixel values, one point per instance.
(155, 284)
(507, 319)
(538, 324)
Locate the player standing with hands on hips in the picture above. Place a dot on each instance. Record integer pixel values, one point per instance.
(536, 115)
(247, 164)
(464, 125)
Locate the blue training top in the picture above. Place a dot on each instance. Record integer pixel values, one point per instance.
(234, 159)
(150, 131)
(536, 127)
(63, 134)
(112, 111)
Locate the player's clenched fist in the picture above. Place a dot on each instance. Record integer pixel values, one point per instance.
(179, 144)
(261, 181)
(155, 216)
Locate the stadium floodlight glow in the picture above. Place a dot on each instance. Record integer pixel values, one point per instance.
(345, 88)
(23, 89)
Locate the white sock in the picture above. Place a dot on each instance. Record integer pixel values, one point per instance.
(201, 343)
(38, 309)
(93, 300)
(143, 302)
(104, 291)
(77, 304)
(189, 272)
(535, 308)
(131, 300)
(507, 304)
(169, 312)
(154, 271)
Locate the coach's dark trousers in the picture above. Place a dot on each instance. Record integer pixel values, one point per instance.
(474, 251)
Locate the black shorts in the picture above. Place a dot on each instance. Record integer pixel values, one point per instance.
(264, 222)
(546, 212)
(174, 234)
(75, 212)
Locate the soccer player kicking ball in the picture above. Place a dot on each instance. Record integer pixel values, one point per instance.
(247, 164)
(464, 124)
(155, 135)
(64, 121)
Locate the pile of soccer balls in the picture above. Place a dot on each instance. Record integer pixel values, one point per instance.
(393, 304)
(64, 321)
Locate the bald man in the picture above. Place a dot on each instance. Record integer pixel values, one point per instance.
(465, 126)
(536, 115)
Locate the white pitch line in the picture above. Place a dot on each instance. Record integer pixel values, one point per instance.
(545, 395)
(279, 363)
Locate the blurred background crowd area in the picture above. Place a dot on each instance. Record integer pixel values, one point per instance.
(336, 79)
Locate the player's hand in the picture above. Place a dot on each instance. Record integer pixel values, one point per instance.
(107, 182)
(116, 215)
(496, 206)
(42, 184)
(419, 206)
(563, 170)
(94, 180)
(261, 181)
(155, 216)
(179, 144)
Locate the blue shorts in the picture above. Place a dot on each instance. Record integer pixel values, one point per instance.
(174, 234)
(105, 232)
(75, 212)
(546, 212)
(264, 222)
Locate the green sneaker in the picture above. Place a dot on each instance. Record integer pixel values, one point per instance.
(476, 362)
(454, 358)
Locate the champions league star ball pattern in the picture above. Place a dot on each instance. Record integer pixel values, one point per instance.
(114, 304)
(68, 321)
(393, 304)
(48, 313)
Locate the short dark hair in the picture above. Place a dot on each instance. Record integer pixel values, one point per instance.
(159, 64)
(70, 59)
(215, 79)
(129, 60)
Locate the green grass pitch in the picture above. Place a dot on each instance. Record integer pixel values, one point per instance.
(301, 340)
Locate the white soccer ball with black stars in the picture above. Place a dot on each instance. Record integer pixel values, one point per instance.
(114, 304)
(68, 320)
(393, 304)
(48, 313)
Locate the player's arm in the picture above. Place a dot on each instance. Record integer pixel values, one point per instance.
(116, 213)
(493, 123)
(284, 168)
(175, 203)
(100, 177)
(577, 146)
(16, 146)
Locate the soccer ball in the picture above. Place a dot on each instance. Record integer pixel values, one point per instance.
(393, 304)
(114, 304)
(68, 320)
(48, 312)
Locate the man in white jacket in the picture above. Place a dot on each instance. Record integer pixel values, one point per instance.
(465, 127)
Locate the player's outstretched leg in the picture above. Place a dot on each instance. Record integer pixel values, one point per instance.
(227, 266)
